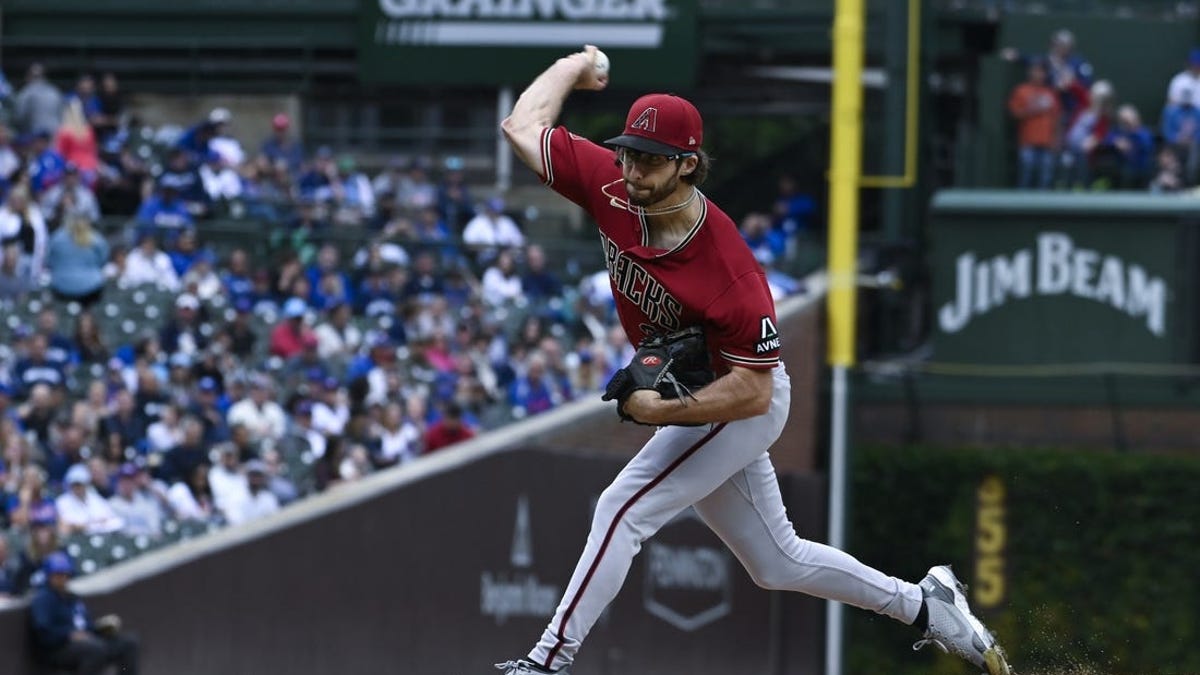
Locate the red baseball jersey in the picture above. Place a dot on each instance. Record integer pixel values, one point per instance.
(710, 279)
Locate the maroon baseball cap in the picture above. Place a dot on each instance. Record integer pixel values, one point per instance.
(661, 124)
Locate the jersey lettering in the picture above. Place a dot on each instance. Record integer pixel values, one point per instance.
(767, 328)
(768, 336)
(648, 120)
(636, 284)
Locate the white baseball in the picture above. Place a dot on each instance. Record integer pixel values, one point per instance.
(600, 61)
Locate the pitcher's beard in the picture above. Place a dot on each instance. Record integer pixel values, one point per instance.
(644, 199)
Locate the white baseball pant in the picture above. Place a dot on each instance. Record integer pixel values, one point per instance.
(724, 471)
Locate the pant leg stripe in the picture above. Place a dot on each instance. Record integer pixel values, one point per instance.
(612, 528)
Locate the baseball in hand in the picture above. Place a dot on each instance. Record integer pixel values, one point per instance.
(600, 61)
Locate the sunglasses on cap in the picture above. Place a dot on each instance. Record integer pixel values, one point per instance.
(647, 160)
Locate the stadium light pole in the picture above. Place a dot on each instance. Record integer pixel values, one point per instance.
(504, 106)
(845, 168)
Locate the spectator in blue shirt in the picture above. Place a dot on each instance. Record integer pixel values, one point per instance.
(794, 210)
(281, 146)
(1134, 146)
(36, 368)
(429, 229)
(164, 211)
(374, 295)
(85, 92)
(426, 278)
(60, 350)
(64, 634)
(196, 140)
(184, 174)
(46, 167)
(1181, 130)
(236, 276)
(455, 205)
(210, 406)
(539, 283)
(767, 244)
(1069, 74)
(184, 253)
(318, 181)
(184, 331)
(533, 391)
(328, 261)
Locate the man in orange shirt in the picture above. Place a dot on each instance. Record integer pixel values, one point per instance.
(1035, 106)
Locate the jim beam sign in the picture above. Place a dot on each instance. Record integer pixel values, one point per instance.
(483, 42)
(1053, 300)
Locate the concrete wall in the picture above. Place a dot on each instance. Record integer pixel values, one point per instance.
(447, 574)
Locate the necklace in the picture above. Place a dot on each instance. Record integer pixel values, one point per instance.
(622, 203)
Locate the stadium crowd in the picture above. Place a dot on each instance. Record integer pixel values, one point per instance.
(1074, 133)
(152, 387)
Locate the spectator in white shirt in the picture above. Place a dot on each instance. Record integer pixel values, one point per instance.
(330, 413)
(81, 509)
(71, 197)
(9, 160)
(193, 499)
(258, 500)
(220, 181)
(21, 221)
(1185, 85)
(146, 264)
(202, 279)
(303, 429)
(399, 438)
(141, 513)
(501, 283)
(337, 337)
(491, 229)
(167, 432)
(228, 483)
(261, 416)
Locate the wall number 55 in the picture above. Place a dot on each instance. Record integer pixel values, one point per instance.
(990, 536)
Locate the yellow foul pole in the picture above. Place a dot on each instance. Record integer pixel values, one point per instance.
(845, 168)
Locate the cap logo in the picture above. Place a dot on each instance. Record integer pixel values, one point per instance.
(647, 121)
(691, 140)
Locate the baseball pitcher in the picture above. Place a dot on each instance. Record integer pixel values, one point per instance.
(707, 372)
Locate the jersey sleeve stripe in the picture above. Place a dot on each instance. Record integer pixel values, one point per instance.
(750, 360)
(547, 165)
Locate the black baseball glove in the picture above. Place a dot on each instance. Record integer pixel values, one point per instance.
(674, 365)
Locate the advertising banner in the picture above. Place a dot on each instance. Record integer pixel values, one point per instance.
(1061, 279)
(451, 574)
(652, 43)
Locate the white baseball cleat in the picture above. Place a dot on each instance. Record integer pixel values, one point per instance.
(953, 628)
(525, 667)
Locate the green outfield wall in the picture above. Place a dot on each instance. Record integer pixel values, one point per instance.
(1082, 562)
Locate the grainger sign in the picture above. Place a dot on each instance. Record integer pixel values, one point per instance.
(491, 42)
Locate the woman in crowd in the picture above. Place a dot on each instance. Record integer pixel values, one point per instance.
(89, 344)
(193, 500)
(22, 223)
(76, 260)
(76, 141)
